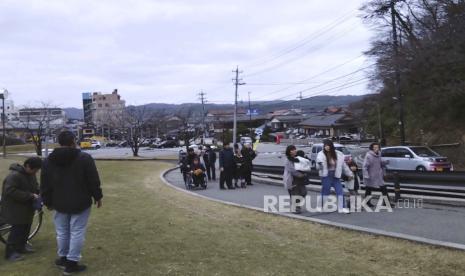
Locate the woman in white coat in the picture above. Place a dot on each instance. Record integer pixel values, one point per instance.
(331, 166)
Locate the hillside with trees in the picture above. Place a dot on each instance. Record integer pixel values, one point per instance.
(431, 64)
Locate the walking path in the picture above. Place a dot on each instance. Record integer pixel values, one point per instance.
(433, 224)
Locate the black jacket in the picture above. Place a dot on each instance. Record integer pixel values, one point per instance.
(69, 181)
(209, 158)
(17, 197)
(249, 156)
(187, 162)
(227, 159)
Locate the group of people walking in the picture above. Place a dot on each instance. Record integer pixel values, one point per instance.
(332, 168)
(235, 165)
(70, 184)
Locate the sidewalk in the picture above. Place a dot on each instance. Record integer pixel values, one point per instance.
(436, 224)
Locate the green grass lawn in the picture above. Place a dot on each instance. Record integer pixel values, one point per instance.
(147, 228)
(25, 148)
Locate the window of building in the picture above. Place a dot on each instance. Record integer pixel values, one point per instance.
(107, 105)
(99, 105)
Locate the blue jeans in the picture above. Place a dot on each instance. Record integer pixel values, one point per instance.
(71, 231)
(326, 184)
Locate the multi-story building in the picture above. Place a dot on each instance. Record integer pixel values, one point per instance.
(106, 109)
(10, 112)
(87, 107)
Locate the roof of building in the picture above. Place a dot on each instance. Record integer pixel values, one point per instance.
(289, 118)
(326, 120)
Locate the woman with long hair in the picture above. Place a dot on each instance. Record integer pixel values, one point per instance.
(331, 166)
(293, 178)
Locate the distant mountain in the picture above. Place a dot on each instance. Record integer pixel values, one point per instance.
(74, 113)
(195, 109)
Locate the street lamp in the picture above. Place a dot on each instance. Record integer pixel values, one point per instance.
(3, 96)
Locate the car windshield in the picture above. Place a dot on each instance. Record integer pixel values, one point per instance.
(343, 150)
(424, 152)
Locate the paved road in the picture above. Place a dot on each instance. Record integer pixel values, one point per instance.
(441, 223)
(126, 152)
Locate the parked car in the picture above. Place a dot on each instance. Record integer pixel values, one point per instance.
(90, 144)
(316, 148)
(123, 144)
(146, 143)
(96, 144)
(111, 144)
(415, 158)
(166, 144)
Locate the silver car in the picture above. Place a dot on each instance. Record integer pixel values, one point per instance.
(316, 148)
(415, 158)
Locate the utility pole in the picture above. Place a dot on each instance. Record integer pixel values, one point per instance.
(46, 131)
(236, 84)
(395, 46)
(300, 100)
(203, 100)
(380, 126)
(250, 118)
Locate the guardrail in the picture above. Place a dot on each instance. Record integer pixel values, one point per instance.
(445, 184)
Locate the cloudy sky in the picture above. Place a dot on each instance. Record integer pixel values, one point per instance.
(168, 51)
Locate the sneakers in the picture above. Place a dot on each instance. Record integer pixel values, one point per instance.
(28, 249)
(344, 211)
(61, 262)
(15, 257)
(73, 267)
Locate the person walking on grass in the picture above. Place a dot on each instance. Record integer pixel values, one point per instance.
(331, 166)
(373, 174)
(69, 183)
(19, 193)
(294, 181)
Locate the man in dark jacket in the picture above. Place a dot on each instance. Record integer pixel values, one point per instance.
(69, 182)
(227, 166)
(209, 158)
(249, 155)
(20, 189)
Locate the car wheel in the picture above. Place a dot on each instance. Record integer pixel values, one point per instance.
(421, 169)
(97, 147)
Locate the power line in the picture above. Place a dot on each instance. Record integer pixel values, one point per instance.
(306, 40)
(324, 43)
(317, 75)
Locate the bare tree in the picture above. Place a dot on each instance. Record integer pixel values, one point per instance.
(186, 131)
(132, 123)
(37, 122)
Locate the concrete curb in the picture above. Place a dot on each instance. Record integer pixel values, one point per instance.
(142, 159)
(322, 221)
